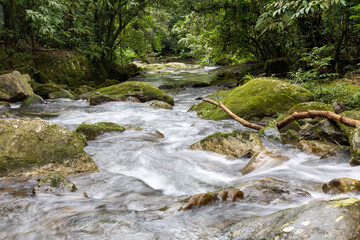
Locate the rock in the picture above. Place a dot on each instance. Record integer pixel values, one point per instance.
(235, 144)
(323, 149)
(202, 199)
(4, 104)
(349, 131)
(62, 93)
(341, 185)
(15, 87)
(264, 159)
(176, 65)
(160, 104)
(132, 127)
(122, 92)
(54, 182)
(61, 68)
(108, 82)
(339, 107)
(277, 66)
(355, 147)
(33, 146)
(44, 89)
(123, 73)
(83, 89)
(259, 98)
(92, 131)
(270, 190)
(333, 219)
(32, 100)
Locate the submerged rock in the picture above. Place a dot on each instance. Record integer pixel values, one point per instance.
(160, 104)
(235, 144)
(202, 199)
(334, 219)
(92, 131)
(54, 182)
(264, 159)
(15, 87)
(122, 92)
(259, 98)
(32, 100)
(341, 185)
(33, 146)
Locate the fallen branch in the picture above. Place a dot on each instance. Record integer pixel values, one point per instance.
(293, 117)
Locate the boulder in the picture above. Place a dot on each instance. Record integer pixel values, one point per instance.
(124, 91)
(202, 199)
(32, 100)
(323, 149)
(15, 87)
(235, 144)
(355, 147)
(44, 89)
(62, 93)
(264, 159)
(54, 183)
(349, 131)
(333, 219)
(123, 73)
(33, 146)
(92, 131)
(306, 106)
(259, 98)
(271, 190)
(341, 185)
(160, 104)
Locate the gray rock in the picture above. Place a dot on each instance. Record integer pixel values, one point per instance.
(15, 87)
(54, 182)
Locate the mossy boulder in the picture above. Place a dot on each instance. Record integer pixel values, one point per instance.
(15, 87)
(355, 147)
(122, 92)
(341, 185)
(160, 104)
(333, 219)
(44, 89)
(32, 100)
(62, 93)
(264, 159)
(122, 73)
(259, 98)
(306, 106)
(53, 183)
(354, 114)
(323, 149)
(62, 68)
(33, 146)
(235, 144)
(92, 131)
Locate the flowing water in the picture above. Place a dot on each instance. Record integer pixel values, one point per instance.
(140, 174)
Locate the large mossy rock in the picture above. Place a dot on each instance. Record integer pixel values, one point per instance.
(123, 73)
(15, 87)
(355, 147)
(235, 144)
(92, 131)
(31, 147)
(323, 149)
(349, 131)
(259, 98)
(44, 89)
(62, 93)
(334, 219)
(32, 100)
(62, 68)
(124, 91)
(54, 183)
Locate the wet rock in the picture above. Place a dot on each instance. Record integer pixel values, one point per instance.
(32, 100)
(4, 104)
(160, 104)
(34, 146)
(202, 199)
(121, 92)
(44, 89)
(349, 131)
(341, 185)
(92, 131)
(235, 144)
(83, 89)
(15, 87)
(62, 93)
(157, 134)
(334, 219)
(132, 127)
(339, 107)
(259, 98)
(264, 159)
(271, 190)
(306, 106)
(355, 147)
(53, 183)
(323, 149)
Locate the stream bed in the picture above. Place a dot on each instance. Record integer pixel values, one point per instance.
(142, 174)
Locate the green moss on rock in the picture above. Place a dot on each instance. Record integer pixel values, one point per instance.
(141, 90)
(91, 131)
(44, 90)
(32, 100)
(259, 98)
(306, 106)
(62, 93)
(54, 182)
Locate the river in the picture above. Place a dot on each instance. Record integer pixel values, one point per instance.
(140, 174)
